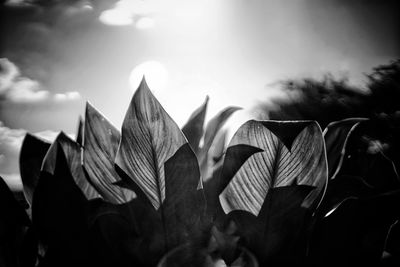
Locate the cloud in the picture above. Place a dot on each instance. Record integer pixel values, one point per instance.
(130, 12)
(10, 146)
(16, 88)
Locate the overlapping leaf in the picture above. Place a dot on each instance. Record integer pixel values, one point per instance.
(293, 153)
(336, 135)
(274, 173)
(212, 129)
(31, 156)
(194, 132)
(72, 153)
(156, 157)
(100, 146)
(60, 205)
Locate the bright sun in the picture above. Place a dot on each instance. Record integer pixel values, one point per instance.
(155, 73)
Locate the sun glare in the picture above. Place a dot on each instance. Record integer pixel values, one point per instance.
(156, 75)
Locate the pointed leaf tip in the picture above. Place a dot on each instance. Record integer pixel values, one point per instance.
(33, 151)
(101, 144)
(149, 137)
(194, 127)
(79, 134)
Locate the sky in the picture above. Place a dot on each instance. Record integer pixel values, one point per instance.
(56, 55)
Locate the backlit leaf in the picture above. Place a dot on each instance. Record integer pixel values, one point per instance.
(149, 138)
(100, 146)
(293, 154)
(31, 157)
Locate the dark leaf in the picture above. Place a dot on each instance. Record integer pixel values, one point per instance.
(31, 157)
(80, 132)
(13, 221)
(278, 235)
(71, 151)
(60, 205)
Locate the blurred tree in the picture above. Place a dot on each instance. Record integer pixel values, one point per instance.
(331, 99)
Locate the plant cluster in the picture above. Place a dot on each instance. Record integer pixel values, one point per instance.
(284, 191)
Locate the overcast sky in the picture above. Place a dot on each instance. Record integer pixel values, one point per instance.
(55, 55)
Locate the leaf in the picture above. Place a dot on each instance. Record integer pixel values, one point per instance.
(60, 206)
(193, 129)
(184, 207)
(336, 135)
(160, 167)
(71, 151)
(212, 128)
(13, 220)
(80, 132)
(294, 154)
(149, 138)
(100, 147)
(31, 156)
(218, 147)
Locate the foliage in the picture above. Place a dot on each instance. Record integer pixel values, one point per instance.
(283, 191)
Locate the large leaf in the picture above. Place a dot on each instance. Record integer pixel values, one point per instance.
(278, 235)
(157, 159)
(100, 146)
(71, 151)
(13, 219)
(31, 157)
(294, 153)
(336, 135)
(193, 129)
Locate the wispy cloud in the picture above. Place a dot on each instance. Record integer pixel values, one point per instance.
(16, 88)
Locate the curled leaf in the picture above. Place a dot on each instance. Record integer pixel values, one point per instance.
(336, 135)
